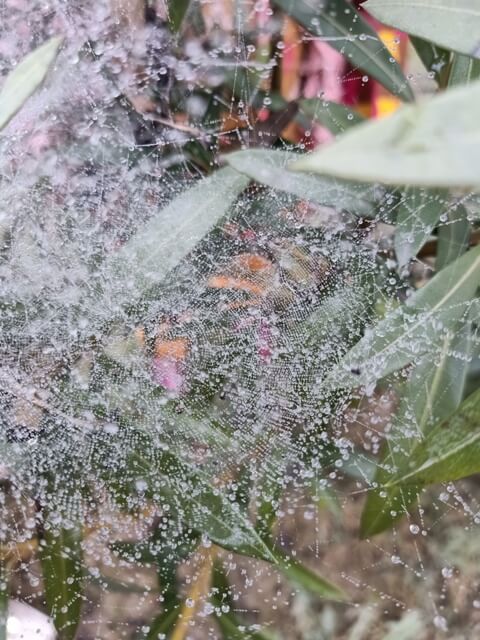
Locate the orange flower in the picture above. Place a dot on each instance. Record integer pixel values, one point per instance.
(253, 262)
(172, 349)
(241, 284)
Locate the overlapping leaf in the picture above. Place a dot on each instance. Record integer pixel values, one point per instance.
(270, 168)
(434, 390)
(453, 24)
(340, 24)
(413, 330)
(170, 235)
(434, 144)
(62, 568)
(25, 79)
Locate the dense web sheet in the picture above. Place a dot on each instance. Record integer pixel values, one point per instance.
(217, 375)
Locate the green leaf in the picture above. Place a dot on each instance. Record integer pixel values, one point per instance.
(307, 579)
(418, 214)
(453, 237)
(434, 390)
(336, 117)
(231, 626)
(163, 624)
(62, 567)
(340, 24)
(435, 59)
(177, 10)
(170, 235)
(27, 76)
(197, 503)
(413, 330)
(450, 451)
(270, 168)
(453, 24)
(234, 629)
(434, 144)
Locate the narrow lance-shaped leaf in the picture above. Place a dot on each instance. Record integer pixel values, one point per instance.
(25, 79)
(270, 168)
(453, 237)
(416, 328)
(177, 10)
(450, 451)
(232, 627)
(435, 59)
(418, 214)
(453, 24)
(336, 117)
(433, 144)
(340, 24)
(169, 236)
(309, 580)
(62, 561)
(434, 390)
(200, 505)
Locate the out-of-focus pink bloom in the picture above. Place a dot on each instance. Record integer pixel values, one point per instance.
(168, 368)
(323, 69)
(168, 373)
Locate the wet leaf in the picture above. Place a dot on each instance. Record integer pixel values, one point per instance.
(62, 568)
(305, 578)
(435, 59)
(418, 214)
(342, 26)
(270, 168)
(453, 237)
(433, 144)
(171, 234)
(453, 24)
(435, 389)
(200, 505)
(451, 450)
(177, 11)
(27, 76)
(336, 117)
(413, 330)
(234, 629)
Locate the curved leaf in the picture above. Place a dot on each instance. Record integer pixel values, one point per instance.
(336, 117)
(434, 144)
(269, 167)
(450, 451)
(453, 24)
(27, 76)
(177, 10)
(340, 24)
(62, 566)
(170, 235)
(435, 59)
(413, 330)
(434, 390)
(417, 216)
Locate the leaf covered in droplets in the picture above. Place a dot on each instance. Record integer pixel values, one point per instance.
(25, 79)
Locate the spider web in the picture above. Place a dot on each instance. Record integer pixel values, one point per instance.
(222, 364)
